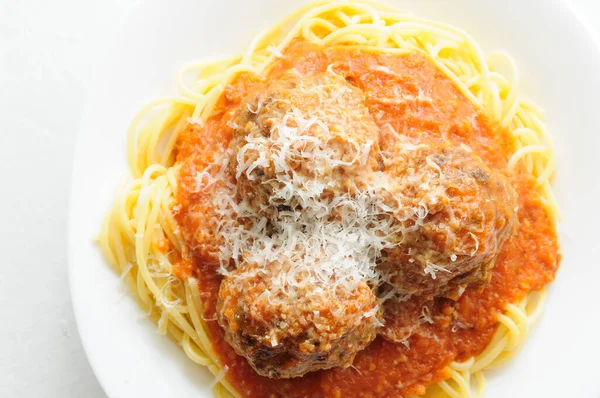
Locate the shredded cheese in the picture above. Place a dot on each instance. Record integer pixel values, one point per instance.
(331, 239)
(275, 51)
(425, 316)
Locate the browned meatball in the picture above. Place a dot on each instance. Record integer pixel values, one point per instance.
(453, 215)
(287, 323)
(313, 132)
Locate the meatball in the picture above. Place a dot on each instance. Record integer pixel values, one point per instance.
(404, 319)
(314, 133)
(286, 323)
(453, 215)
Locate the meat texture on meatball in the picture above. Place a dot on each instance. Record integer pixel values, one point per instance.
(313, 131)
(287, 322)
(453, 214)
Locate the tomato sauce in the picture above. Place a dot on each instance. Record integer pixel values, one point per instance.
(405, 94)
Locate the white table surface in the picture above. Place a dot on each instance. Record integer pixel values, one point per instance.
(47, 53)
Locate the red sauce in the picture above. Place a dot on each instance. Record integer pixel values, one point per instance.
(527, 262)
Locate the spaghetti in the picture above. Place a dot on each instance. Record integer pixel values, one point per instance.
(141, 235)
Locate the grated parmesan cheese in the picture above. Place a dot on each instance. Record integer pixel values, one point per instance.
(331, 239)
(425, 316)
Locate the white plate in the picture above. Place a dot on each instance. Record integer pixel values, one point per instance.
(560, 70)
